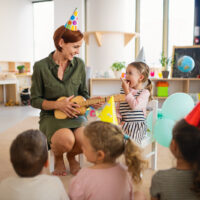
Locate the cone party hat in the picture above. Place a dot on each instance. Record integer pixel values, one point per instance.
(73, 21)
(108, 114)
(193, 118)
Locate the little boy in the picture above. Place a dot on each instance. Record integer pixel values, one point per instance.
(29, 155)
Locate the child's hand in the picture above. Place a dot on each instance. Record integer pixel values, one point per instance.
(125, 86)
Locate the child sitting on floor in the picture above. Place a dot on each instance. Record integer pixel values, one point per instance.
(183, 181)
(102, 144)
(29, 155)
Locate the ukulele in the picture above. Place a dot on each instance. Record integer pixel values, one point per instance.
(84, 104)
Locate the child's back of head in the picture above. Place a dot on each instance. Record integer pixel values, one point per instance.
(183, 181)
(110, 139)
(187, 138)
(28, 153)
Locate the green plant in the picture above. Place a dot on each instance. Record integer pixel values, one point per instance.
(165, 61)
(20, 67)
(118, 66)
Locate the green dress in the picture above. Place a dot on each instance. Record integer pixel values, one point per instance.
(47, 86)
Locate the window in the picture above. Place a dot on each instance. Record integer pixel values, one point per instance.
(151, 26)
(43, 29)
(181, 23)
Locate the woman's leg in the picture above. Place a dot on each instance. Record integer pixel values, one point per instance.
(73, 164)
(62, 141)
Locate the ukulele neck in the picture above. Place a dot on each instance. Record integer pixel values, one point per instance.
(117, 98)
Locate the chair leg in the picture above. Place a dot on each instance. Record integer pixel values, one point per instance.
(154, 156)
(51, 161)
(80, 158)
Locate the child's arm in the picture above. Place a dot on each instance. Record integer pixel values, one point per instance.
(139, 102)
(119, 117)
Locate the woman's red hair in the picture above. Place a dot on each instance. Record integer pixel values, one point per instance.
(67, 35)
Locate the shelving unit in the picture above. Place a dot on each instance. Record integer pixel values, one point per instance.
(10, 89)
(98, 36)
(11, 66)
(109, 86)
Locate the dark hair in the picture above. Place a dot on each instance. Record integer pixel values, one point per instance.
(143, 68)
(187, 138)
(28, 153)
(110, 139)
(67, 35)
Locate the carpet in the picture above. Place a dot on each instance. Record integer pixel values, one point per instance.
(165, 158)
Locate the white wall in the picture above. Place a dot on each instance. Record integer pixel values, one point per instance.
(43, 29)
(16, 32)
(112, 15)
(63, 9)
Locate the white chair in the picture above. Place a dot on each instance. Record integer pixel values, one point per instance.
(153, 105)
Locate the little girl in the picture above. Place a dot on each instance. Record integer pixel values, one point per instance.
(132, 113)
(102, 144)
(183, 181)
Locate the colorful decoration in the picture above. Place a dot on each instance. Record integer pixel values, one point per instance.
(186, 64)
(162, 88)
(175, 107)
(108, 114)
(73, 21)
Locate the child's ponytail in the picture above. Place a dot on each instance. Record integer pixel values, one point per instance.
(149, 87)
(136, 164)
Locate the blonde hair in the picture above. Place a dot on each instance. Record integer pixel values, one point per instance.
(110, 139)
(143, 68)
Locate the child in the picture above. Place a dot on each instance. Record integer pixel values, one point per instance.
(29, 155)
(132, 113)
(183, 181)
(102, 144)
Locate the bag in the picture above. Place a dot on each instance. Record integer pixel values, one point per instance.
(25, 96)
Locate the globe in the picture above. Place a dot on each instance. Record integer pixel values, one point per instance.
(186, 64)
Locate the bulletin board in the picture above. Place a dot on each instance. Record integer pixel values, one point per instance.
(178, 52)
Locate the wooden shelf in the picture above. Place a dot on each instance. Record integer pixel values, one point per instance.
(112, 86)
(156, 97)
(98, 36)
(23, 74)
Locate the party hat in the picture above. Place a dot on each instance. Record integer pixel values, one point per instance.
(73, 21)
(141, 56)
(108, 114)
(193, 118)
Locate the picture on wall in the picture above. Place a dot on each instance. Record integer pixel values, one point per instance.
(186, 62)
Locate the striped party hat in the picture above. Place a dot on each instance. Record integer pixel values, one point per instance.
(73, 21)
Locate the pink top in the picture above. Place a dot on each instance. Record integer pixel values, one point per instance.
(136, 103)
(101, 184)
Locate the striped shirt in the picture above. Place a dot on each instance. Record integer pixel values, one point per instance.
(173, 184)
(129, 115)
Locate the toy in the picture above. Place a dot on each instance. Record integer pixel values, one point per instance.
(162, 88)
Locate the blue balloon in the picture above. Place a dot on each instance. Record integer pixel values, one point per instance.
(150, 118)
(177, 106)
(162, 131)
(186, 64)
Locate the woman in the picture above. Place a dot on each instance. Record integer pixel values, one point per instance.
(61, 74)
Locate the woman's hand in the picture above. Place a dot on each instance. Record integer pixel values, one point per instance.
(97, 105)
(69, 108)
(125, 86)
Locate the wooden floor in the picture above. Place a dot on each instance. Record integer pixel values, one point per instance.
(165, 159)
